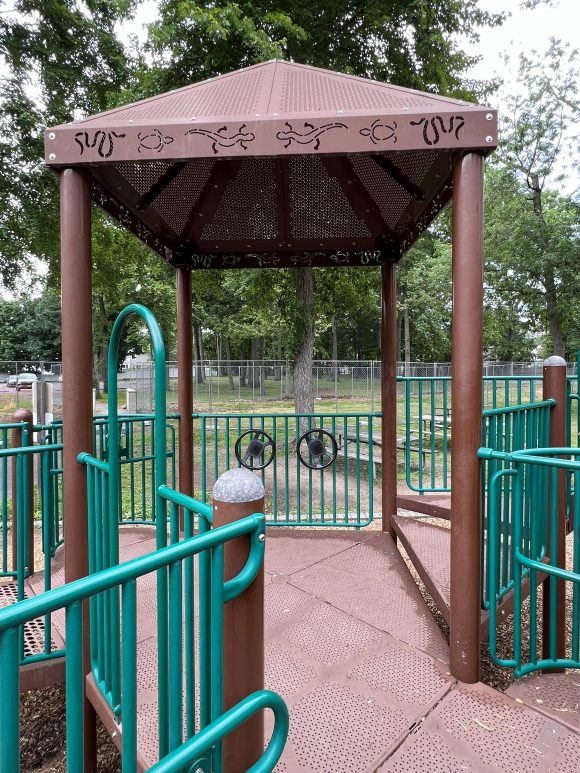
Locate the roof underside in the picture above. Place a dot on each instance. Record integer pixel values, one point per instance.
(276, 165)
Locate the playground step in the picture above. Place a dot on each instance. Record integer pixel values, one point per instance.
(428, 547)
(555, 695)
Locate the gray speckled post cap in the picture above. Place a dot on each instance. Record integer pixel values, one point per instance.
(554, 360)
(238, 485)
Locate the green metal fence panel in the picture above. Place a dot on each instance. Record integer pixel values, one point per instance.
(514, 428)
(124, 579)
(425, 423)
(535, 475)
(340, 495)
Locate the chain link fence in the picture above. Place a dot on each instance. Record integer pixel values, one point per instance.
(244, 385)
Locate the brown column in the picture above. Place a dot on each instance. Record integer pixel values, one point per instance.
(77, 391)
(22, 415)
(184, 378)
(389, 393)
(236, 494)
(467, 355)
(555, 387)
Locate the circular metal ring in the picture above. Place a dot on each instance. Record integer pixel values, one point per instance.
(254, 452)
(320, 456)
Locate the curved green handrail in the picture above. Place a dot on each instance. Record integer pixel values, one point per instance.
(192, 750)
(160, 422)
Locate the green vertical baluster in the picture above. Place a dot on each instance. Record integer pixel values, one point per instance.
(432, 443)
(445, 432)
(407, 453)
(189, 629)
(227, 421)
(333, 430)
(215, 449)
(516, 536)
(371, 465)
(576, 569)
(205, 596)
(9, 705)
(175, 654)
(345, 470)
(129, 677)
(203, 460)
(286, 469)
(553, 612)
(357, 435)
(322, 481)
(298, 495)
(217, 632)
(74, 687)
(45, 505)
(143, 473)
(310, 514)
(4, 505)
(275, 471)
(420, 455)
(131, 468)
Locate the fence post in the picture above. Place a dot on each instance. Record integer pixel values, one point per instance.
(22, 416)
(555, 387)
(236, 494)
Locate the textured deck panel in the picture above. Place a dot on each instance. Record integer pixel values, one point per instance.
(475, 728)
(371, 582)
(556, 695)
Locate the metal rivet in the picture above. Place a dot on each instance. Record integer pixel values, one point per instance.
(489, 138)
(405, 108)
(51, 157)
(489, 117)
(257, 115)
(51, 135)
(262, 538)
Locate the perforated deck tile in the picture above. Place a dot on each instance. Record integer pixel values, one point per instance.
(289, 550)
(475, 728)
(371, 582)
(34, 631)
(556, 695)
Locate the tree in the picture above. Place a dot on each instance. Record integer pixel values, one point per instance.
(539, 229)
(30, 329)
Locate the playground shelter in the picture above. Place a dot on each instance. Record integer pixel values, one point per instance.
(281, 165)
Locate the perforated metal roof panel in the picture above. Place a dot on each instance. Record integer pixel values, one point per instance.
(276, 164)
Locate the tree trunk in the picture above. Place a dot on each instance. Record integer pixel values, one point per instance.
(255, 355)
(334, 339)
(407, 341)
(303, 392)
(399, 330)
(229, 356)
(197, 356)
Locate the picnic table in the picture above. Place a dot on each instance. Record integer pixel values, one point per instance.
(347, 446)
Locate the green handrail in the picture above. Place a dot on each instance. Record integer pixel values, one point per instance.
(534, 504)
(195, 749)
(160, 473)
(124, 576)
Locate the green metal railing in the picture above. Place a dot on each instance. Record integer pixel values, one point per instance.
(535, 478)
(204, 729)
(296, 495)
(8, 561)
(505, 430)
(425, 423)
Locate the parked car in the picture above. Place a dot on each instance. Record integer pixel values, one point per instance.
(11, 381)
(26, 380)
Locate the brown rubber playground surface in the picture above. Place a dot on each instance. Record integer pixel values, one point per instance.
(354, 650)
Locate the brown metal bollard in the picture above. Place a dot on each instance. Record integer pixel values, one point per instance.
(22, 416)
(236, 494)
(555, 387)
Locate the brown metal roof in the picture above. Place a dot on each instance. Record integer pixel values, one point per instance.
(278, 164)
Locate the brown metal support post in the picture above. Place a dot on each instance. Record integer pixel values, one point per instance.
(22, 416)
(77, 394)
(466, 404)
(389, 394)
(236, 494)
(184, 379)
(555, 387)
